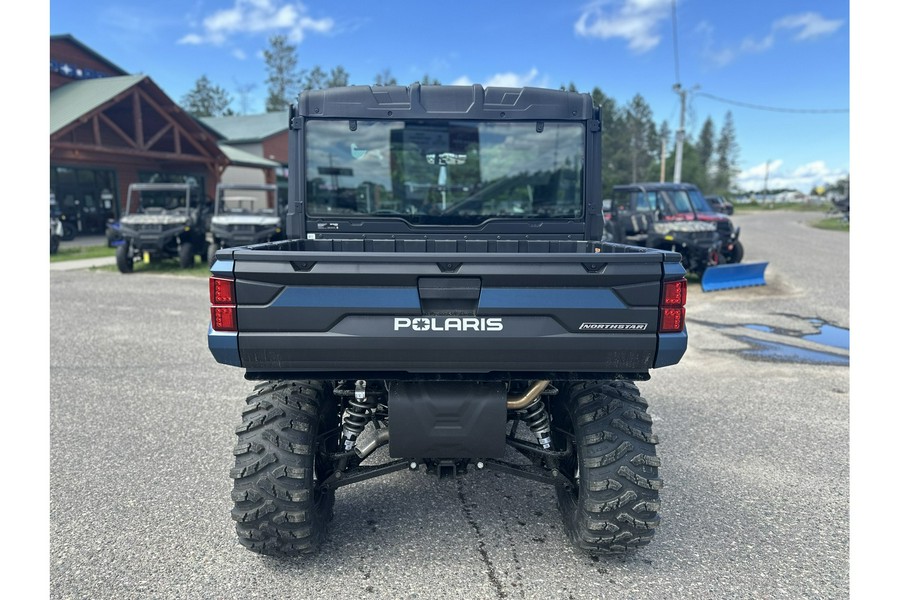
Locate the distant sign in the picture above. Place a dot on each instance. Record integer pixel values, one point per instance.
(75, 72)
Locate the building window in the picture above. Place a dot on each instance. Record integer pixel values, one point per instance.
(87, 198)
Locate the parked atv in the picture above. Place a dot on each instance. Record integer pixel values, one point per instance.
(685, 202)
(162, 220)
(56, 232)
(640, 218)
(720, 204)
(56, 226)
(245, 214)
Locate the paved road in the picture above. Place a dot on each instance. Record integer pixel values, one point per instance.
(754, 442)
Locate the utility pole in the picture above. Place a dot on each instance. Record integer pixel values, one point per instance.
(766, 181)
(679, 135)
(662, 162)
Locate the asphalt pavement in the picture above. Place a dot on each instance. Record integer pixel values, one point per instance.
(754, 443)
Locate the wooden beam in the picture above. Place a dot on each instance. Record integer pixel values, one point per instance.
(188, 136)
(158, 135)
(97, 139)
(125, 137)
(138, 119)
(136, 152)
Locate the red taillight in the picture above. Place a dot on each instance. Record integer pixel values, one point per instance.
(675, 293)
(222, 318)
(223, 312)
(221, 291)
(672, 320)
(674, 297)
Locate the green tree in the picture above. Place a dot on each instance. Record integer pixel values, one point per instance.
(727, 152)
(283, 78)
(339, 77)
(207, 100)
(706, 145)
(613, 142)
(385, 78)
(426, 80)
(641, 136)
(692, 170)
(316, 79)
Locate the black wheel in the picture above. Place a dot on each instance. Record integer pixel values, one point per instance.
(736, 255)
(280, 506)
(186, 255)
(69, 231)
(54, 244)
(612, 506)
(211, 253)
(123, 258)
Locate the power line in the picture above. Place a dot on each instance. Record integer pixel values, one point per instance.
(675, 43)
(773, 108)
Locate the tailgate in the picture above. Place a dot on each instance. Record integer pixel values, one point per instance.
(543, 314)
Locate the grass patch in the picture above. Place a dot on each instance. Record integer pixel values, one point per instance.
(794, 206)
(832, 224)
(82, 252)
(167, 267)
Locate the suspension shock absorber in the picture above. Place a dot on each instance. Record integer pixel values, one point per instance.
(357, 414)
(532, 410)
(536, 417)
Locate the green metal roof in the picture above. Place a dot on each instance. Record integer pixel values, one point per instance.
(249, 128)
(241, 158)
(71, 101)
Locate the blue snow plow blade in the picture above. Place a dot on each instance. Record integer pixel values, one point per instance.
(739, 275)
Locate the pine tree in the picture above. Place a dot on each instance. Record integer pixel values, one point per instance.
(339, 77)
(207, 100)
(706, 145)
(283, 79)
(385, 78)
(642, 136)
(316, 79)
(726, 157)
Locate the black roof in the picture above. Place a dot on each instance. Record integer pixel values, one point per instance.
(446, 102)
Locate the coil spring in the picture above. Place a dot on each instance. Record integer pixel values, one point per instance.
(536, 417)
(356, 414)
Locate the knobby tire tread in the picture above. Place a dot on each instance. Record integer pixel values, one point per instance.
(278, 509)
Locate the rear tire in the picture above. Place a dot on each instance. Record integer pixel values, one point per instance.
(612, 508)
(186, 255)
(736, 255)
(211, 253)
(69, 231)
(280, 507)
(123, 258)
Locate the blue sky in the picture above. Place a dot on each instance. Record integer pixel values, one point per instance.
(791, 56)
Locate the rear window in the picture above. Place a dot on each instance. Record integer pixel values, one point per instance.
(444, 172)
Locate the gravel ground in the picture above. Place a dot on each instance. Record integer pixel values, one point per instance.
(754, 449)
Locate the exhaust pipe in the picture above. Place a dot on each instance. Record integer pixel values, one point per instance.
(520, 402)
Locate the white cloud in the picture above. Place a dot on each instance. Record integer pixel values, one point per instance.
(249, 17)
(508, 79)
(802, 178)
(636, 21)
(191, 39)
(239, 54)
(810, 25)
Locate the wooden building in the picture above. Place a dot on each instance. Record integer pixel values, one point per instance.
(109, 129)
